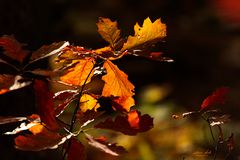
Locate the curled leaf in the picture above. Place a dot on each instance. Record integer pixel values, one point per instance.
(130, 124)
(104, 146)
(40, 139)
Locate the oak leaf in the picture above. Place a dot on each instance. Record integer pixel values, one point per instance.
(81, 73)
(148, 34)
(108, 30)
(130, 124)
(13, 48)
(217, 97)
(117, 85)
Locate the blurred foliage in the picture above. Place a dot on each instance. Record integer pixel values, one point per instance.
(203, 38)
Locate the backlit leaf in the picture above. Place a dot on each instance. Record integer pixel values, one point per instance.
(130, 124)
(88, 103)
(117, 84)
(48, 50)
(148, 34)
(217, 97)
(81, 73)
(13, 48)
(45, 104)
(108, 30)
(104, 146)
(76, 150)
(40, 139)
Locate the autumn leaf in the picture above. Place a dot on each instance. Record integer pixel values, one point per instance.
(81, 73)
(108, 30)
(117, 85)
(11, 82)
(105, 146)
(48, 50)
(88, 102)
(130, 124)
(45, 104)
(217, 97)
(85, 117)
(76, 150)
(40, 139)
(13, 48)
(148, 34)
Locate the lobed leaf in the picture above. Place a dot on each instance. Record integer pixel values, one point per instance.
(148, 34)
(108, 30)
(117, 85)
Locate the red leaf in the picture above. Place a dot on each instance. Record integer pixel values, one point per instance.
(76, 150)
(45, 104)
(13, 48)
(130, 124)
(103, 145)
(217, 97)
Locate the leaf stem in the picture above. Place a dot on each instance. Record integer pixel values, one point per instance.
(73, 120)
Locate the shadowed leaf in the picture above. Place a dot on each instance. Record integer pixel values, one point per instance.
(76, 150)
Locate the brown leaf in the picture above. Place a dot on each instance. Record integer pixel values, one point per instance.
(108, 30)
(81, 73)
(130, 124)
(40, 139)
(117, 85)
(13, 48)
(217, 97)
(104, 146)
(11, 82)
(45, 104)
(48, 50)
(148, 34)
(76, 150)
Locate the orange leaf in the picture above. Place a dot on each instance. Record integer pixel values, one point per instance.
(81, 73)
(13, 48)
(149, 33)
(108, 30)
(40, 139)
(88, 103)
(117, 83)
(133, 119)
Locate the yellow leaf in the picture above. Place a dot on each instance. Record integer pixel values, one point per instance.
(108, 30)
(88, 103)
(149, 33)
(117, 85)
(80, 74)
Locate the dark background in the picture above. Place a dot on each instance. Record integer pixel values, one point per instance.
(203, 37)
